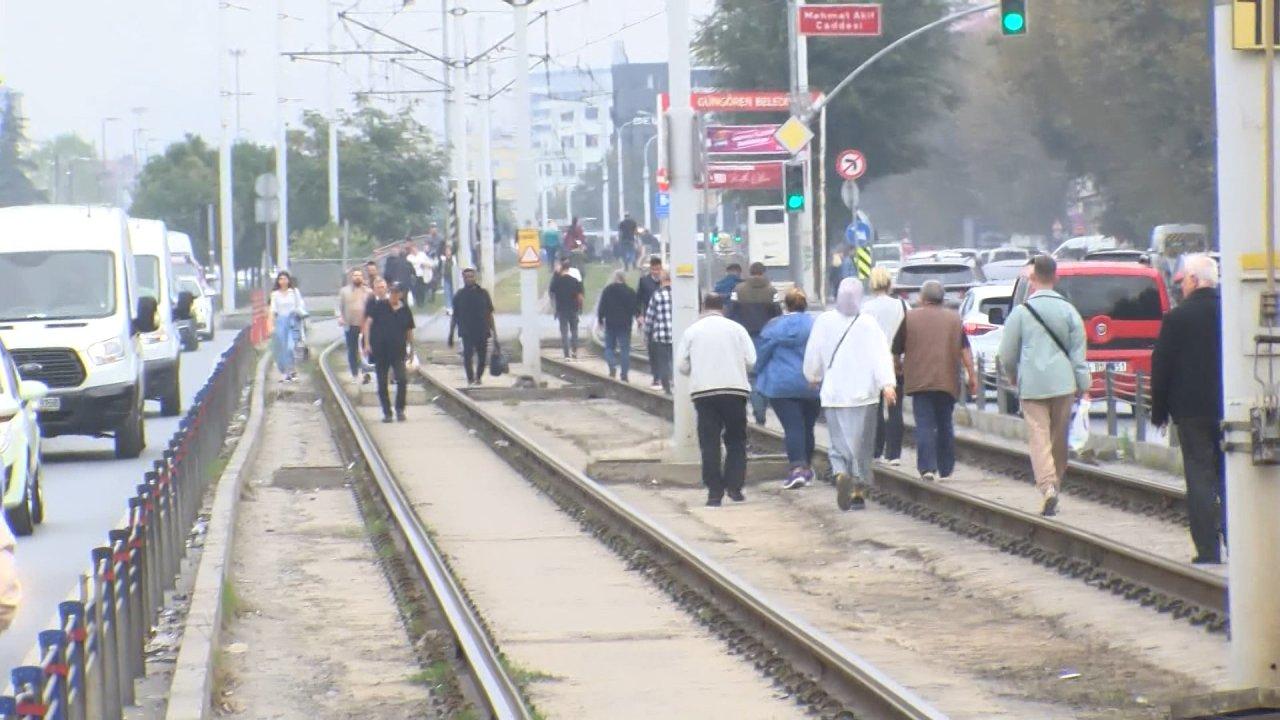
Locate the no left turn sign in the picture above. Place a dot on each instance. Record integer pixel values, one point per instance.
(851, 164)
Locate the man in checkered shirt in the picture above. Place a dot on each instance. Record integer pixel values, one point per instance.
(657, 329)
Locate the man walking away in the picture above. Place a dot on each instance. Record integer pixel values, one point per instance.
(658, 324)
(1042, 351)
(473, 321)
(716, 354)
(848, 357)
(732, 276)
(423, 271)
(1186, 385)
(932, 345)
(352, 299)
(551, 244)
(753, 303)
(889, 312)
(388, 332)
(645, 289)
(627, 241)
(615, 313)
(566, 300)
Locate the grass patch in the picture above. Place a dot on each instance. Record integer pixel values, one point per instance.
(522, 675)
(434, 675)
(232, 604)
(506, 294)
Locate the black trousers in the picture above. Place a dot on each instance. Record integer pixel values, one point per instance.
(1205, 470)
(354, 360)
(384, 367)
(889, 429)
(477, 350)
(722, 416)
(661, 363)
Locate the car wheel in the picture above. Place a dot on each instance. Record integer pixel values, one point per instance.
(131, 436)
(191, 343)
(171, 401)
(37, 496)
(19, 517)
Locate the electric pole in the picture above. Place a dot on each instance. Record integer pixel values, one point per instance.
(683, 222)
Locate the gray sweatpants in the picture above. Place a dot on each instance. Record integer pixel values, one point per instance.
(853, 440)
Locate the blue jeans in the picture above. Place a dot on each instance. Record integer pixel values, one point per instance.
(935, 435)
(447, 283)
(798, 416)
(617, 350)
(282, 344)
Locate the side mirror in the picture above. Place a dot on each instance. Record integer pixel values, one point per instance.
(182, 308)
(145, 321)
(32, 390)
(995, 316)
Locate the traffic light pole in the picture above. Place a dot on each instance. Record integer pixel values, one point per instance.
(798, 222)
(526, 192)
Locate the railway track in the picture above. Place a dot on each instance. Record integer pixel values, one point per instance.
(1184, 591)
(493, 683)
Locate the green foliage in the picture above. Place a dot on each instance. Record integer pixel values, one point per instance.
(16, 169)
(325, 242)
(177, 186)
(74, 162)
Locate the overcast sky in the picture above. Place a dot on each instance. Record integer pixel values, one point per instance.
(154, 63)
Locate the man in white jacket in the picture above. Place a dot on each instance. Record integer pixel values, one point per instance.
(716, 353)
(848, 356)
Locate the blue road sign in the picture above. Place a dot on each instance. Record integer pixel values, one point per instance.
(662, 204)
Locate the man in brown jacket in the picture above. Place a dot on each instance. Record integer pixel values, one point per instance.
(932, 345)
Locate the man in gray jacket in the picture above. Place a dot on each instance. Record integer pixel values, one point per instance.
(1043, 352)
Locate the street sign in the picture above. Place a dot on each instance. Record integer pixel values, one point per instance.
(851, 164)
(850, 194)
(528, 248)
(265, 186)
(743, 140)
(662, 204)
(663, 182)
(793, 135)
(1247, 26)
(840, 20)
(740, 101)
(746, 176)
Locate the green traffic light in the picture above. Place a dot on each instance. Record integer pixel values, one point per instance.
(1014, 22)
(795, 202)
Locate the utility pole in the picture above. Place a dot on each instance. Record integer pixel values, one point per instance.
(237, 53)
(335, 213)
(683, 221)
(456, 98)
(486, 167)
(526, 190)
(622, 195)
(605, 220)
(226, 227)
(799, 225)
(648, 193)
(282, 145)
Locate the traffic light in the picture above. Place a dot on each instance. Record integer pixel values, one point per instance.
(1013, 17)
(793, 188)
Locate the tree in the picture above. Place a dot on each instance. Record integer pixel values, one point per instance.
(16, 168)
(177, 187)
(68, 170)
(324, 243)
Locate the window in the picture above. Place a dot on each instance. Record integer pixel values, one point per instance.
(1120, 297)
(593, 113)
(57, 285)
(566, 116)
(916, 275)
(593, 140)
(567, 142)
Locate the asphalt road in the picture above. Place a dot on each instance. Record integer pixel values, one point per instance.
(86, 492)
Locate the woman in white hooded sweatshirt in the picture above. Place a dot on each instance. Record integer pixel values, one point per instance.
(848, 357)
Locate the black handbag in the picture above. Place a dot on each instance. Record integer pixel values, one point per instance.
(498, 363)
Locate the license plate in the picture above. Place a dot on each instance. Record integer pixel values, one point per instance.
(50, 404)
(1119, 366)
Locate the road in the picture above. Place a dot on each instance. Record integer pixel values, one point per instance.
(86, 494)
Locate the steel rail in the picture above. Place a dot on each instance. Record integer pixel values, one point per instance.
(826, 666)
(1169, 586)
(500, 692)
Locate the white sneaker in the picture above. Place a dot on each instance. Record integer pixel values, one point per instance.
(929, 477)
(895, 462)
(944, 478)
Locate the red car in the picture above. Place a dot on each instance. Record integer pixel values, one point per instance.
(1122, 305)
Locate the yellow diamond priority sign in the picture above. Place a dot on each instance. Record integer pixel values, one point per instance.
(793, 135)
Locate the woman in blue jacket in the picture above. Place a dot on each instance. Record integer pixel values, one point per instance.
(780, 377)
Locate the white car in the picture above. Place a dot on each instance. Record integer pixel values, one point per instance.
(201, 306)
(975, 309)
(20, 447)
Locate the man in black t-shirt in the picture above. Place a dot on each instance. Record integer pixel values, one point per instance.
(388, 333)
(473, 321)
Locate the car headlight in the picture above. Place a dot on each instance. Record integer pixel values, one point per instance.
(153, 338)
(106, 352)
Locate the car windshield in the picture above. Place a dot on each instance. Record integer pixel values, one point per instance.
(881, 254)
(1120, 297)
(189, 284)
(57, 285)
(916, 275)
(1009, 254)
(147, 268)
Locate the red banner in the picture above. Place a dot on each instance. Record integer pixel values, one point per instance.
(752, 176)
(743, 140)
(739, 101)
(840, 20)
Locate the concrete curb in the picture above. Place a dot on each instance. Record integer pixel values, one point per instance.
(190, 692)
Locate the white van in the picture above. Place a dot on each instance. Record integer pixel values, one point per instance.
(72, 319)
(161, 348)
(186, 270)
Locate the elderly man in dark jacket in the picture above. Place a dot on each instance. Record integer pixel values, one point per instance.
(1186, 386)
(615, 313)
(753, 303)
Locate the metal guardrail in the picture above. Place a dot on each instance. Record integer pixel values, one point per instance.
(88, 664)
(500, 692)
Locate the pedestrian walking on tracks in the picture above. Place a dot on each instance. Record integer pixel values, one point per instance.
(286, 313)
(753, 303)
(848, 358)
(780, 378)
(566, 300)
(645, 288)
(889, 312)
(716, 353)
(932, 345)
(659, 324)
(1043, 353)
(1186, 387)
(352, 299)
(388, 332)
(615, 313)
(473, 321)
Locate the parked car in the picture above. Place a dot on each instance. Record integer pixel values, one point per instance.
(1122, 304)
(1008, 252)
(1077, 247)
(1119, 255)
(1004, 271)
(975, 309)
(957, 276)
(887, 256)
(20, 446)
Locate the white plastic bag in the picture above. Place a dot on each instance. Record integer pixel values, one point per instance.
(1079, 435)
